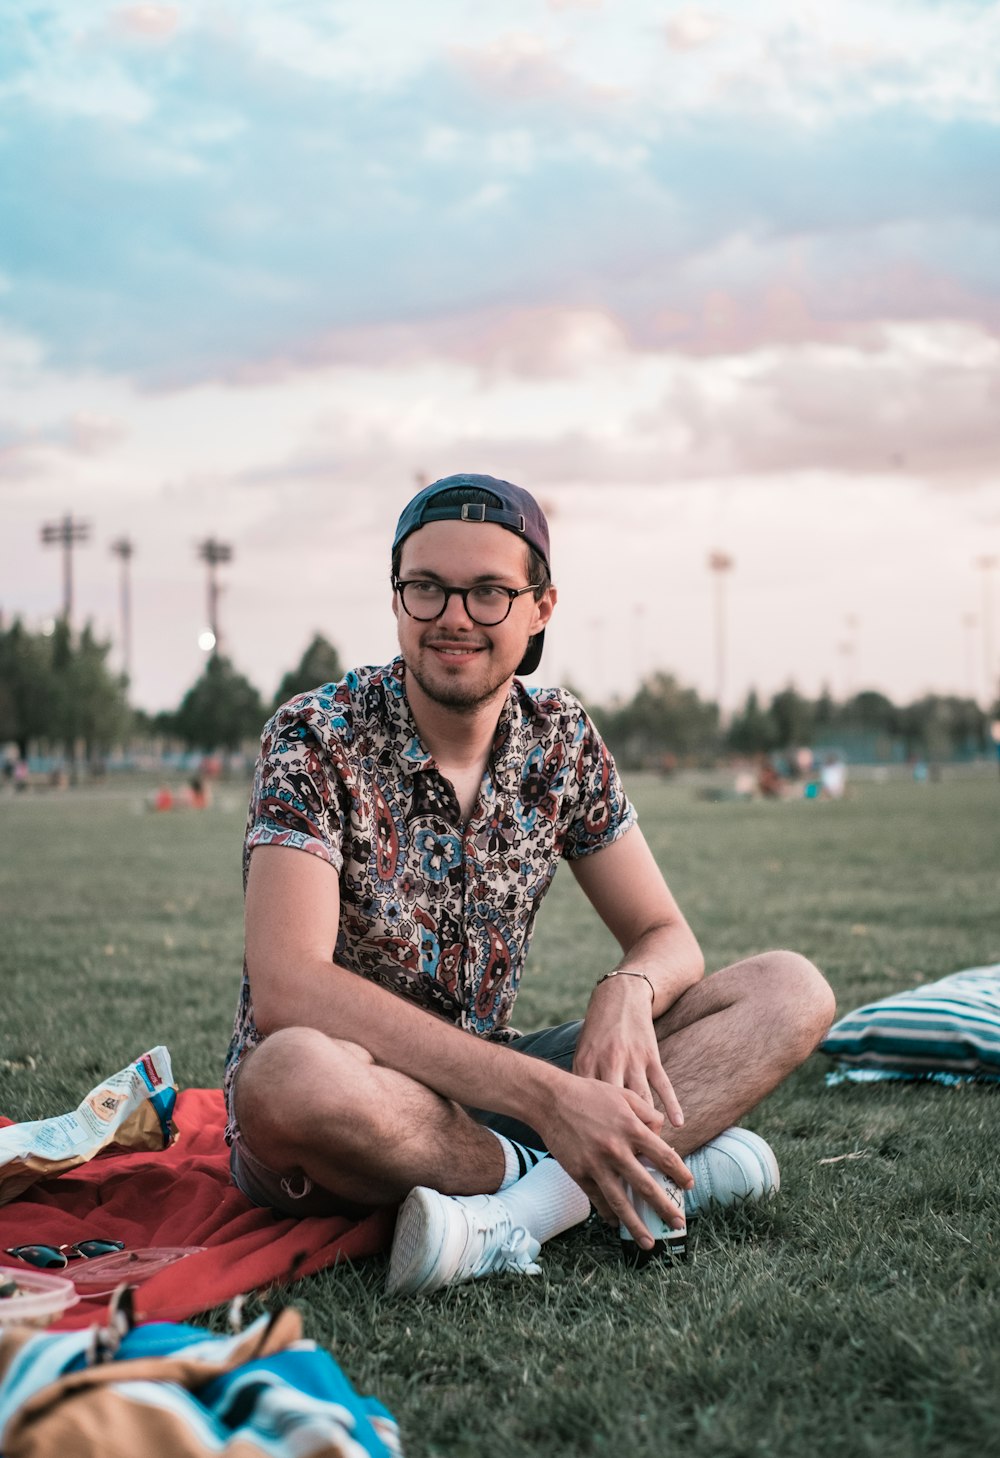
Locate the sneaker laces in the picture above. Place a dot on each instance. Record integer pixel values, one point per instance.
(514, 1252)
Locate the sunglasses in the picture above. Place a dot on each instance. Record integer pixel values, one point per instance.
(56, 1257)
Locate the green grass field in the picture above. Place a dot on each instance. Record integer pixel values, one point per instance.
(855, 1314)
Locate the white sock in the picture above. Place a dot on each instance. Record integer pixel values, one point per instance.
(518, 1159)
(546, 1201)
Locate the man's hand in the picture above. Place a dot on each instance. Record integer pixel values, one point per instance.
(600, 1133)
(617, 1044)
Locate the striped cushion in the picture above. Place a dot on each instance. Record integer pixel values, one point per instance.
(950, 1026)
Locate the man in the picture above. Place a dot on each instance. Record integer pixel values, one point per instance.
(430, 801)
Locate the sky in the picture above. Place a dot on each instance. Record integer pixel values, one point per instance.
(718, 278)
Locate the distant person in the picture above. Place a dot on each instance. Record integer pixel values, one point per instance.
(769, 782)
(198, 793)
(163, 799)
(803, 761)
(404, 825)
(833, 778)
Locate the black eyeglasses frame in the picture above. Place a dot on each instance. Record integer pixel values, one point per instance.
(400, 584)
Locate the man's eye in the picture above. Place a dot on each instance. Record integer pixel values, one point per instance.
(424, 589)
(488, 595)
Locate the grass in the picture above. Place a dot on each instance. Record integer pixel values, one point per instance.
(856, 1314)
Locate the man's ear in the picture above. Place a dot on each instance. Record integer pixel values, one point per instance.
(544, 607)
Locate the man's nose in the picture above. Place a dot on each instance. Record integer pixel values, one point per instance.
(455, 612)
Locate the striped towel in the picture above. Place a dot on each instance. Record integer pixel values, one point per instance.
(170, 1389)
(946, 1030)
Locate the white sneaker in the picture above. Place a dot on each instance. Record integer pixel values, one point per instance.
(738, 1165)
(443, 1239)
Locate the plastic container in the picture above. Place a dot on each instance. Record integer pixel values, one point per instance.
(670, 1243)
(39, 1299)
(104, 1274)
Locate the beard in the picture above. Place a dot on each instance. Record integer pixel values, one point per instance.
(461, 697)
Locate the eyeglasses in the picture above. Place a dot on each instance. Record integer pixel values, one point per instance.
(56, 1257)
(486, 604)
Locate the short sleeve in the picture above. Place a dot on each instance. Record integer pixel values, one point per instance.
(602, 811)
(298, 789)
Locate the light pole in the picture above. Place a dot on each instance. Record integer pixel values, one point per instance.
(213, 553)
(986, 565)
(596, 656)
(66, 533)
(847, 649)
(639, 646)
(124, 549)
(853, 624)
(719, 563)
(969, 621)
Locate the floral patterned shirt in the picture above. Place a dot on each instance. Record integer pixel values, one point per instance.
(438, 911)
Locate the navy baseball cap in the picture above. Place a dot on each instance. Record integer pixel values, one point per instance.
(506, 505)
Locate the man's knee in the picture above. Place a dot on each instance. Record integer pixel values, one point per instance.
(285, 1082)
(801, 992)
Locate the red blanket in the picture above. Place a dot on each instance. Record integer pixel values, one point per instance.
(183, 1196)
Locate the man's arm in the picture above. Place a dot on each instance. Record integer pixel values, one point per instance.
(596, 1131)
(618, 1043)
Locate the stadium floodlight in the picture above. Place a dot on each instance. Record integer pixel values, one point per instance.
(124, 549)
(214, 553)
(719, 563)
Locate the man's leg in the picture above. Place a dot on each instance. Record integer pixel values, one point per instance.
(306, 1104)
(733, 1037)
(725, 1044)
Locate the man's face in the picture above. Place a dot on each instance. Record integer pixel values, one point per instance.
(458, 663)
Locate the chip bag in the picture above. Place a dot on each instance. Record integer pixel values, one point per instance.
(130, 1110)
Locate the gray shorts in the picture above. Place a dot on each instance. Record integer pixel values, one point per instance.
(298, 1195)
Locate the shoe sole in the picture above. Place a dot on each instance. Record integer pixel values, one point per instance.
(419, 1245)
(740, 1166)
(426, 1247)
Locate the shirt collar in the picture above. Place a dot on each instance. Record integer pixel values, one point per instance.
(412, 753)
(508, 752)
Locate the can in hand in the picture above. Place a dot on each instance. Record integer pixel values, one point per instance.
(670, 1241)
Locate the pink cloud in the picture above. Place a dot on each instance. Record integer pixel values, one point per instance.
(691, 30)
(147, 22)
(521, 68)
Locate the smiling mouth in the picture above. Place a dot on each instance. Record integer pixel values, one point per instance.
(455, 650)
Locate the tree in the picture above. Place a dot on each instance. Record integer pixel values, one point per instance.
(56, 689)
(663, 717)
(753, 730)
(794, 719)
(27, 688)
(220, 710)
(319, 664)
(942, 727)
(92, 701)
(869, 710)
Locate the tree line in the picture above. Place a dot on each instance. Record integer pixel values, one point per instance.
(665, 722)
(58, 694)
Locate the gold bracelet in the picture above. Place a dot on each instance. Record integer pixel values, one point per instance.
(624, 972)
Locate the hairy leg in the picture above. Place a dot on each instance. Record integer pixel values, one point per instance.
(309, 1104)
(732, 1038)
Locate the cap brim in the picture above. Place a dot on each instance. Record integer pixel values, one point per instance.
(532, 654)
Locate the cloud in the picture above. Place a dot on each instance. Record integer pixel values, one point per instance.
(691, 29)
(149, 22)
(28, 452)
(245, 217)
(522, 69)
(915, 402)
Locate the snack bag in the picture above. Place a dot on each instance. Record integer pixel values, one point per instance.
(130, 1110)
